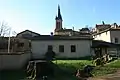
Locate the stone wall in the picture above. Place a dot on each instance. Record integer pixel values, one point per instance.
(10, 61)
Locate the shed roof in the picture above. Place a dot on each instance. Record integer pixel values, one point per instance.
(100, 44)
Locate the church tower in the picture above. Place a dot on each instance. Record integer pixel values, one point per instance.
(58, 21)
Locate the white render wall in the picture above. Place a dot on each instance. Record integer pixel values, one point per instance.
(108, 36)
(83, 48)
(105, 36)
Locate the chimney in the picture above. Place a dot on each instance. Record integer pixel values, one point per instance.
(115, 25)
(73, 31)
(103, 23)
(51, 34)
(73, 28)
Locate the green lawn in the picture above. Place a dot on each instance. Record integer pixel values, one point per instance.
(65, 70)
(107, 69)
(68, 68)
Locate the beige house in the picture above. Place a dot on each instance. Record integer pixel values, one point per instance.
(108, 33)
(63, 46)
(107, 36)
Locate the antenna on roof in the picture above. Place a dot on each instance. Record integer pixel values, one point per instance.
(103, 22)
(73, 28)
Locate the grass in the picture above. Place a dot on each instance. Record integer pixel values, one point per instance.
(108, 68)
(68, 68)
(65, 70)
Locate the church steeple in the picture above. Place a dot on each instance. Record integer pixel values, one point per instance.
(59, 13)
(58, 19)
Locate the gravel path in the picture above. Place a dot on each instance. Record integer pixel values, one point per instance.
(115, 76)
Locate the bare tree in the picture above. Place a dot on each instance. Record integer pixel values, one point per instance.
(86, 26)
(90, 28)
(14, 33)
(4, 29)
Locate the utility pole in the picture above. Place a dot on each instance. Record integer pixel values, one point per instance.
(9, 41)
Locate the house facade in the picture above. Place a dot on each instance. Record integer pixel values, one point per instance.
(108, 33)
(64, 47)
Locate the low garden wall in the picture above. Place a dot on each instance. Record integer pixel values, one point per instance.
(10, 61)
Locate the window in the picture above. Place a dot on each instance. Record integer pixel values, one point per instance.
(20, 44)
(95, 36)
(99, 34)
(106, 33)
(116, 40)
(50, 47)
(61, 48)
(29, 44)
(73, 48)
(59, 25)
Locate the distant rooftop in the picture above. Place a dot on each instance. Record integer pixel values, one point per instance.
(28, 31)
(58, 37)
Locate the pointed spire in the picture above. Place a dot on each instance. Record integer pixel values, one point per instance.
(58, 7)
(59, 14)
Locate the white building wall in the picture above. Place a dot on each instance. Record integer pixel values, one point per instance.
(39, 48)
(108, 36)
(103, 36)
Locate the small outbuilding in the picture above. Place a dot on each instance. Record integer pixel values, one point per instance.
(63, 46)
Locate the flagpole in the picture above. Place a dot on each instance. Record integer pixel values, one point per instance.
(9, 41)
